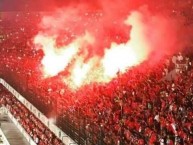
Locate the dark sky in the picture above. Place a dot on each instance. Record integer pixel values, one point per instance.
(32, 5)
(42, 5)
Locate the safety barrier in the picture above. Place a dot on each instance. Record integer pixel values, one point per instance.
(21, 129)
(57, 131)
(3, 139)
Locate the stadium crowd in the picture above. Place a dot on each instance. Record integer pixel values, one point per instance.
(139, 107)
(19, 61)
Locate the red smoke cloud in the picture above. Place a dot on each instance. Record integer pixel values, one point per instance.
(93, 41)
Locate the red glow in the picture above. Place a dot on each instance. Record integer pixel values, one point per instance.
(94, 46)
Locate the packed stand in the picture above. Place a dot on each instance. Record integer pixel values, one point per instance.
(19, 59)
(36, 129)
(138, 107)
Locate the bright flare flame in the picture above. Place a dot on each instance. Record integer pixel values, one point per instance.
(79, 73)
(117, 58)
(122, 56)
(56, 59)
